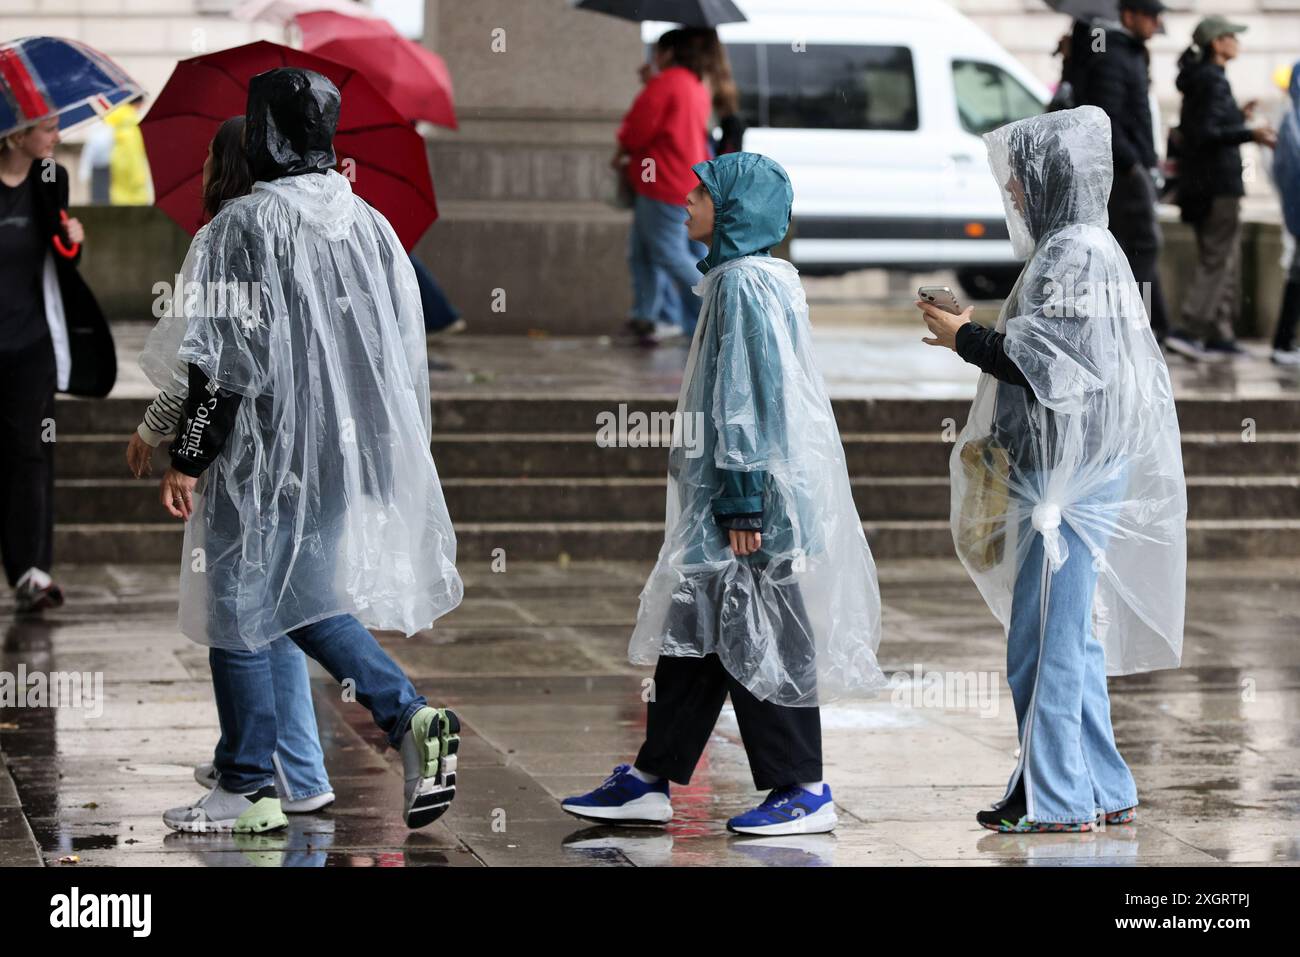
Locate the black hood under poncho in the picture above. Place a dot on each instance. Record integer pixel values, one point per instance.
(291, 119)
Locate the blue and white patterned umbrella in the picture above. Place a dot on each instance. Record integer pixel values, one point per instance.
(42, 77)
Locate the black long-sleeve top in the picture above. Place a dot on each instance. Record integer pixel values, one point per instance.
(984, 348)
(205, 425)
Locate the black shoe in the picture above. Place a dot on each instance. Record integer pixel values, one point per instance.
(1222, 349)
(641, 327)
(1013, 818)
(1004, 818)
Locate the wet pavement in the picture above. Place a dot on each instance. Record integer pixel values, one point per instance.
(862, 352)
(534, 661)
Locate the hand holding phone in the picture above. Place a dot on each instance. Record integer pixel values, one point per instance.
(941, 296)
(942, 315)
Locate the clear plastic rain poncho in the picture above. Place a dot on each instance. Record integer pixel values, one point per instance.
(1094, 442)
(798, 622)
(325, 499)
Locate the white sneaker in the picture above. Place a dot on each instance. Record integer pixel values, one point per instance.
(303, 805)
(36, 591)
(666, 332)
(1286, 357)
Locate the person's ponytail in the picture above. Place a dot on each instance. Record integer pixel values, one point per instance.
(1192, 55)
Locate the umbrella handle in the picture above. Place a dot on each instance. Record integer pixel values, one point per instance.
(67, 252)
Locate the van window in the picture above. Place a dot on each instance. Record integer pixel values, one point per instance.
(989, 97)
(825, 86)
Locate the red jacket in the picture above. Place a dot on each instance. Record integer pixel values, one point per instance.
(668, 123)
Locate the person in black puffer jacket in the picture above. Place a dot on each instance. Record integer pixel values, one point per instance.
(1212, 128)
(1114, 74)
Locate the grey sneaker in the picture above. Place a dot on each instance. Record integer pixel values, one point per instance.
(429, 762)
(206, 775)
(220, 810)
(1286, 357)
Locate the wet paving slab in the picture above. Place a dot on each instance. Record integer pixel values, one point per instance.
(535, 663)
(875, 354)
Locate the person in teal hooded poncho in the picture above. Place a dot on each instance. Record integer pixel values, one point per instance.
(764, 588)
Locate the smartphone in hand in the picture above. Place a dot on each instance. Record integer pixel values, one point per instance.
(941, 296)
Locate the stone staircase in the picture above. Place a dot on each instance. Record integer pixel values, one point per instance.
(526, 475)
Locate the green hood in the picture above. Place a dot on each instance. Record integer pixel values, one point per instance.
(751, 203)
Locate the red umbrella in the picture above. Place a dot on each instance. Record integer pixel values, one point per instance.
(379, 150)
(414, 79)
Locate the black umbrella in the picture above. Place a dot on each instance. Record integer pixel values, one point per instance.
(690, 13)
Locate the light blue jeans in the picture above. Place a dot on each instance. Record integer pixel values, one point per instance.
(297, 739)
(662, 259)
(1056, 668)
(248, 701)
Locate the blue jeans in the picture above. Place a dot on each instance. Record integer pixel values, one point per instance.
(1056, 668)
(297, 740)
(662, 259)
(439, 313)
(244, 685)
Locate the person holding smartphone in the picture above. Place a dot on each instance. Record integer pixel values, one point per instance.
(1069, 503)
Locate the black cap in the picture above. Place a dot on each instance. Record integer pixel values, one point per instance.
(1152, 7)
(292, 116)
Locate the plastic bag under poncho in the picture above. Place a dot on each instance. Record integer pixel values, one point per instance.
(325, 499)
(1095, 444)
(798, 622)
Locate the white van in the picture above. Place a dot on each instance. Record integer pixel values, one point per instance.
(875, 108)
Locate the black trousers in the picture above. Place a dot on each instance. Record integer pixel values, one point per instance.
(1132, 212)
(1289, 315)
(784, 745)
(27, 381)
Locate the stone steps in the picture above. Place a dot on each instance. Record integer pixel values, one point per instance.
(132, 502)
(549, 541)
(525, 474)
(513, 413)
(576, 455)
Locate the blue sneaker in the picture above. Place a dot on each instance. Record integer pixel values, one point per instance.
(623, 799)
(789, 810)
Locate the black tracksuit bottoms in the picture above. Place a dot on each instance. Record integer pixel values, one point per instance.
(784, 745)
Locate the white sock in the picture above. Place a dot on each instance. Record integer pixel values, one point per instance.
(643, 777)
(813, 788)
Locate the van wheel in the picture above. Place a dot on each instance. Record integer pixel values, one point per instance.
(990, 282)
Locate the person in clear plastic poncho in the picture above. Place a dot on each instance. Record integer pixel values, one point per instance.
(764, 587)
(302, 461)
(1068, 498)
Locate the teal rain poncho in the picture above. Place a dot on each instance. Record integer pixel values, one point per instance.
(798, 622)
